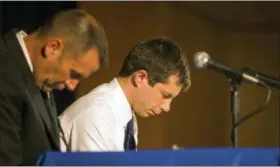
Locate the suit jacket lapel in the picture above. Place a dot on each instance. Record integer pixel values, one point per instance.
(33, 92)
(45, 113)
(50, 105)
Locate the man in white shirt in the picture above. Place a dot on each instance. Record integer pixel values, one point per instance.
(153, 73)
(68, 47)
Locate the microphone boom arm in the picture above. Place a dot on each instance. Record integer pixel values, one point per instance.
(268, 80)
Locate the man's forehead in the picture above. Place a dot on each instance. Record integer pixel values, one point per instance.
(173, 89)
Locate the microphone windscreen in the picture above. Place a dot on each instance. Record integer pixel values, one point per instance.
(201, 59)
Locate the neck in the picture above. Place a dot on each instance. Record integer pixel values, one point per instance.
(125, 84)
(33, 46)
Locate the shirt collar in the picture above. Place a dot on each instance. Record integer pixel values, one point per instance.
(124, 111)
(20, 35)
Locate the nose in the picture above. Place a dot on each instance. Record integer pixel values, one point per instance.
(166, 105)
(71, 84)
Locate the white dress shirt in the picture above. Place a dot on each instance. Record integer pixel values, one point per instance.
(20, 35)
(97, 120)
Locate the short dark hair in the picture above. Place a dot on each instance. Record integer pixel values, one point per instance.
(160, 57)
(80, 32)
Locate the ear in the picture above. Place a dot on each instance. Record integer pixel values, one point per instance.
(53, 49)
(140, 78)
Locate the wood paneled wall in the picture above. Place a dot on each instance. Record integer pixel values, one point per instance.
(200, 117)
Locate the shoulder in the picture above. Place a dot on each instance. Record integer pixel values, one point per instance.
(5, 53)
(9, 72)
(9, 86)
(97, 114)
(94, 105)
(12, 100)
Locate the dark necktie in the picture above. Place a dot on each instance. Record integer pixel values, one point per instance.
(52, 111)
(129, 141)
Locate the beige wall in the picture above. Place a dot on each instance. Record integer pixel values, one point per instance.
(201, 116)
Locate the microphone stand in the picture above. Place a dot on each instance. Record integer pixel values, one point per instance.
(234, 106)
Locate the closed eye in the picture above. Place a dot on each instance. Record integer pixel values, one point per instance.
(166, 95)
(75, 75)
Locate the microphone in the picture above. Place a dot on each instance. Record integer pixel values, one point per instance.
(203, 60)
(269, 80)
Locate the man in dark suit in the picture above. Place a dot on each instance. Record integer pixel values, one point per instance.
(70, 46)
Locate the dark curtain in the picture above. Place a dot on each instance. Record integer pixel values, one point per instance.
(28, 16)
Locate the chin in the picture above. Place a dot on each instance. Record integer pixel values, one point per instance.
(144, 115)
(46, 89)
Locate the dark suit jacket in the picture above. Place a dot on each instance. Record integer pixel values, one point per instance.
(28, 125)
